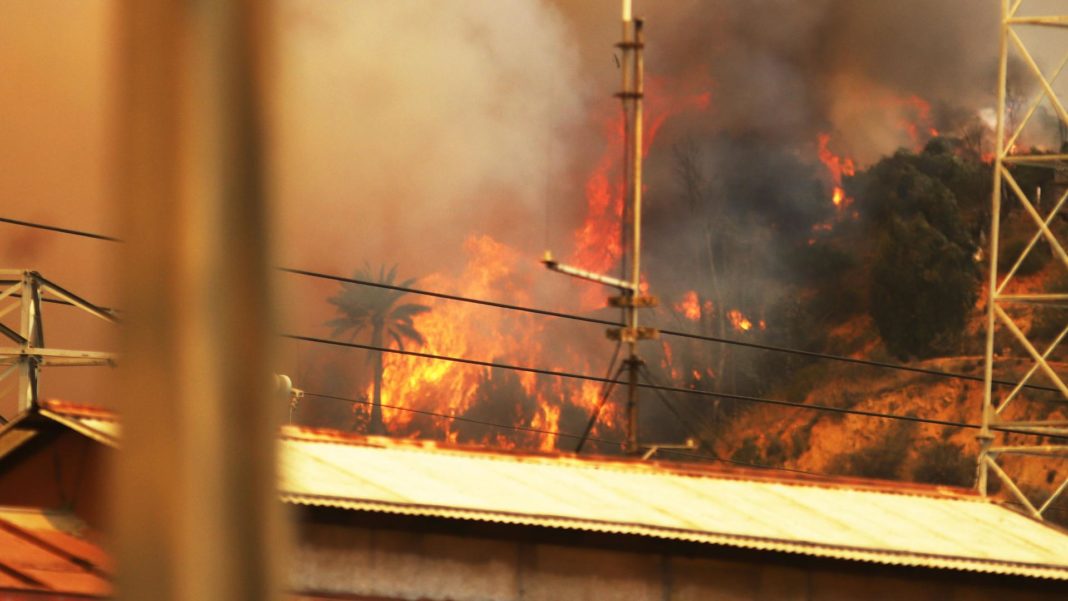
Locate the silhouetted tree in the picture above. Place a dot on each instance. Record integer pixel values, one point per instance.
(376, 310)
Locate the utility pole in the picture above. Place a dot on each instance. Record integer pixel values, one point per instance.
(630, 297)
(631, 97)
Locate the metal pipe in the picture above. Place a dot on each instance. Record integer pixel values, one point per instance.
(985, 437)
(584, 274)
(631, 97)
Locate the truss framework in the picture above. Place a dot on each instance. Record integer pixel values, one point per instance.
(24, 291)
(1008, 189)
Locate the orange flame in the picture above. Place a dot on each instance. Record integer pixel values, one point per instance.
(836, 168)
(915, 117)
(465, 330)
(690, 306)
(739, 321)
(497, 271)
(598, 244)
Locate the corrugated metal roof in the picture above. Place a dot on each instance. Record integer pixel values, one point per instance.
(94, 422)
(50, 552)
(914, 526)
(881, 522)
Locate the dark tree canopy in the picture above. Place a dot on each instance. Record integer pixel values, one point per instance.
(924, 279)
(922, 289)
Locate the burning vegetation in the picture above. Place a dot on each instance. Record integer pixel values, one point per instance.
(812, 186)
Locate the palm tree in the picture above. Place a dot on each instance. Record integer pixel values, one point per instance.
(371, 308)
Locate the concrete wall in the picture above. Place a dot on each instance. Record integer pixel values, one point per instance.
(357, 563)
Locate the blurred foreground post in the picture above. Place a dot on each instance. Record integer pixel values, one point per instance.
(196, 513)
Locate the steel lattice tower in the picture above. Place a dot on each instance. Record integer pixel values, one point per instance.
(1011, 304)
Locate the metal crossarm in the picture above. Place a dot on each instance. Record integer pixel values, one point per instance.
(23, 291)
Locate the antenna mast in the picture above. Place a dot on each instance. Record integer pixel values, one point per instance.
(630, 298)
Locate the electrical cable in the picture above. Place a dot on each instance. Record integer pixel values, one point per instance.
(690, 391)
(608, 381)
(592, 320)
(606, 389)
(675, 333)
(60, 230)
(780, 468)
(66, 303)
(454, 417)
(700, 439)
(551, 433)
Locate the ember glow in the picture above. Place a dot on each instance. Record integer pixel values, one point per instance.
(739, 321)
(837, 167)
(915, 119)
(690, 306)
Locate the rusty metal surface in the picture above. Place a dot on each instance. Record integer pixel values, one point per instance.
(913, 526)
(50, 552)
(838, 518)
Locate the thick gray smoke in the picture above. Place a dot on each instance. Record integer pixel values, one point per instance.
(787, 69)
(406, 126)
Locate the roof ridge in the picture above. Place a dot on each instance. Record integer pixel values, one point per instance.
(630, 465)
(75, 409)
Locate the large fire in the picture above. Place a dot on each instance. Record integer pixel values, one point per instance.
(598, 242)
(497, 271)
(520, 399)
(535, 404)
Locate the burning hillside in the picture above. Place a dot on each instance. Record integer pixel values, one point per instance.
(790, 169)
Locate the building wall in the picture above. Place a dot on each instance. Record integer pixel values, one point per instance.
(347, 562)
(57, 469)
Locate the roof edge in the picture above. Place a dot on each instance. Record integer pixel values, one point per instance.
(692, 469)
(837, 552)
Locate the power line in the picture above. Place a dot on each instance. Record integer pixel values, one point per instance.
(66, 303)
(452, 297)
(457, 417)
(592, 320)
(552, 433)
(690, 391)
(60, 230)
(780, 468)
(561, 315)
(676, 333)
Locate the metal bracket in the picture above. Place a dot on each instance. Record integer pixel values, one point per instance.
(632, 334)
(691, 444)
(638, 302)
